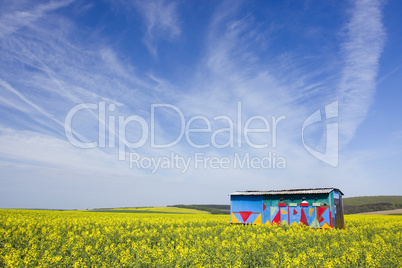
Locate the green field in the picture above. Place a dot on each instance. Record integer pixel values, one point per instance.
(168, 210)
(362, 204)
(365, 200)
(213, 209)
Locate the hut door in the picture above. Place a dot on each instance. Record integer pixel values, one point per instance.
(339, 224)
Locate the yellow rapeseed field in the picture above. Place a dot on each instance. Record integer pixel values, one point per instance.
(87, 239)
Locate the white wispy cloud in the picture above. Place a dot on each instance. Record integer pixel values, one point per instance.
(231, 72)
(365, 37)
(58, 75)
(10, 23)
(26, 101)
(162, 22)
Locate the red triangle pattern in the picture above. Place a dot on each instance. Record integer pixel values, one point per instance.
(277, 218)
(303, 218)
(294, 212)
(245, 215)
(321, 210)
(263, 207)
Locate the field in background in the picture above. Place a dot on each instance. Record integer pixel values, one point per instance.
(361, 204)
(213, 209)
(174, 210)
(364, 200)
(32, 238)
(383, 212)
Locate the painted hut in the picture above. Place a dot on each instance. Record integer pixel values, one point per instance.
(317, 208)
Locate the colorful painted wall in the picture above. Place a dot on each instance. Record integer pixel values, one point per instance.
(316, 211)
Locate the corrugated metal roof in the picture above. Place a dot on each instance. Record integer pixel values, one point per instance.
(288, 192)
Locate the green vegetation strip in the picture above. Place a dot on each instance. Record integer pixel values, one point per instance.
(137, 211)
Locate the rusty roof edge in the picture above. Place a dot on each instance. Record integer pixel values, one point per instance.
(289, 191)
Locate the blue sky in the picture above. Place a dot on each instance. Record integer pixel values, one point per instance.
(166, 71)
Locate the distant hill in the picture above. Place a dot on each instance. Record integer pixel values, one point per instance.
(361, 204)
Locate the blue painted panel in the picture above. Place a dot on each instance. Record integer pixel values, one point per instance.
(333, 212)
(336, 194)
(265, 216)
(325, 216)
(252, 218)
(295, 214)
(309, 217)
(246, 203)
(284, 214)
